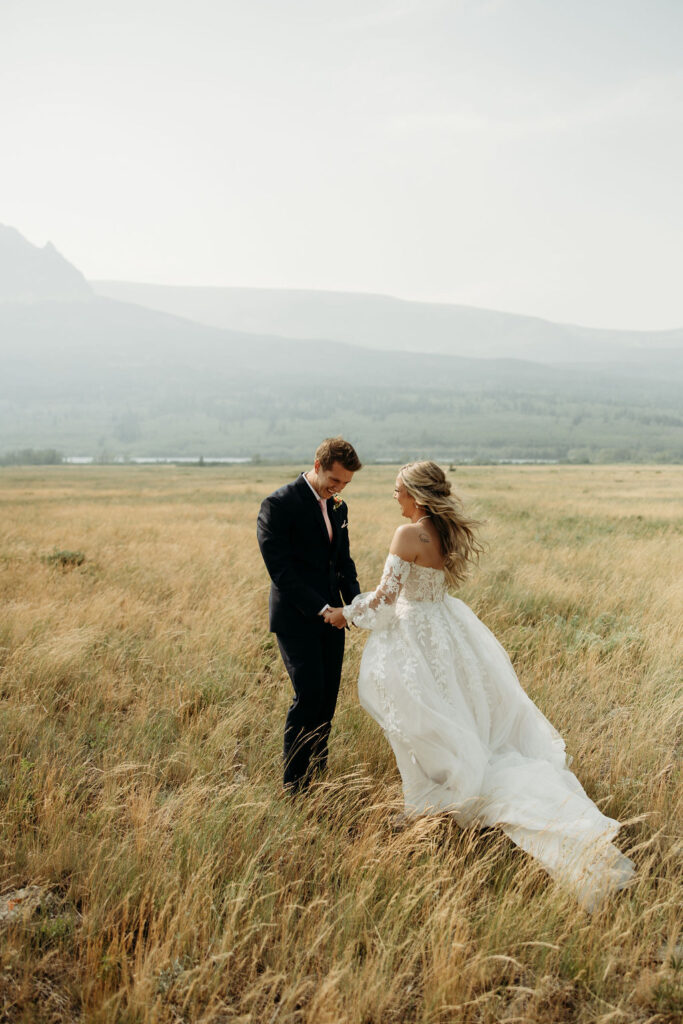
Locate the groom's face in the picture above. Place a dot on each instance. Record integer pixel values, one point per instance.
(332, 480)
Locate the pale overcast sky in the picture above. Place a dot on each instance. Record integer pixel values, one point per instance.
(523, 155)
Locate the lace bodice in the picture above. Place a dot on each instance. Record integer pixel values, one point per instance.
(402, 584)
(423, 583)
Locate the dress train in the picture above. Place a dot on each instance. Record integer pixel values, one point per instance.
(467, 738)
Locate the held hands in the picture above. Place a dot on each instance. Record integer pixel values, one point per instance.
(335, 617)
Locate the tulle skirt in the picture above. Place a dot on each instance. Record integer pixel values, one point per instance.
(468, 740)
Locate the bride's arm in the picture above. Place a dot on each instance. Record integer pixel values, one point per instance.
(375, 609)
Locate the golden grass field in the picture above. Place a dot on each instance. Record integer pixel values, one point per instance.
(142, 700)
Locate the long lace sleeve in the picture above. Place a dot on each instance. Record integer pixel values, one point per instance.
(376, 609)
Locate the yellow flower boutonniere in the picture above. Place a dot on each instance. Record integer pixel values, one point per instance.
(337, 500)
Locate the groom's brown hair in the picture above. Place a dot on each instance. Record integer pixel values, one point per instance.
(336, 449)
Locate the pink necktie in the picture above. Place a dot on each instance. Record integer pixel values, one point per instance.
(328, 524)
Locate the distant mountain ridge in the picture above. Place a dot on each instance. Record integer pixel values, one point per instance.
(29, 273)
(382, 322)
(88, 374)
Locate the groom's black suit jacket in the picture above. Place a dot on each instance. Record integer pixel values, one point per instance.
(307, 570)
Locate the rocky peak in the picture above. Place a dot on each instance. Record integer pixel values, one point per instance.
(29, 273)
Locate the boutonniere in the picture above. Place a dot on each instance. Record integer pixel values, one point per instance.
(337, 502)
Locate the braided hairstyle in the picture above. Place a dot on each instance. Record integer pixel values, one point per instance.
(426, 483)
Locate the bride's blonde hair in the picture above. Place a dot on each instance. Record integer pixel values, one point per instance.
(426, 483)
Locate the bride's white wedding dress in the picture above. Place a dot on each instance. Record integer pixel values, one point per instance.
(467, 739)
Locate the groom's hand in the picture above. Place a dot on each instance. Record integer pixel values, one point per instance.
(335, 617)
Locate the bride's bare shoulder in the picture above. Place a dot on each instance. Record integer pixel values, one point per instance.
(405, 542)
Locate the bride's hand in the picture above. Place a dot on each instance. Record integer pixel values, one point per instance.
(335, 617)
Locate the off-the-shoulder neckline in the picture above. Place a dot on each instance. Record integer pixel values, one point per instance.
(432, 568)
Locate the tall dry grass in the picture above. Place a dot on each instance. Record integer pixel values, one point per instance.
(142, 702)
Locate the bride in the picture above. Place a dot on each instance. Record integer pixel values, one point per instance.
(467, 739)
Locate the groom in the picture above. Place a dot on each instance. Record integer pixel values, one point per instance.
(304, 539)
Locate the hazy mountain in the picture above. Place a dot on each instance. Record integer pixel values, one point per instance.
(54, 345)
(381, 322)
(28, 272)
(106, 376)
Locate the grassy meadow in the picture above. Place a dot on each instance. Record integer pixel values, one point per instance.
(163, 876)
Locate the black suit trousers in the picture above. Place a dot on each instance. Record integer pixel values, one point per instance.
(314, 664)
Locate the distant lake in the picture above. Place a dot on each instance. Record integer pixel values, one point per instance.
(86, 460)
(193, 460)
